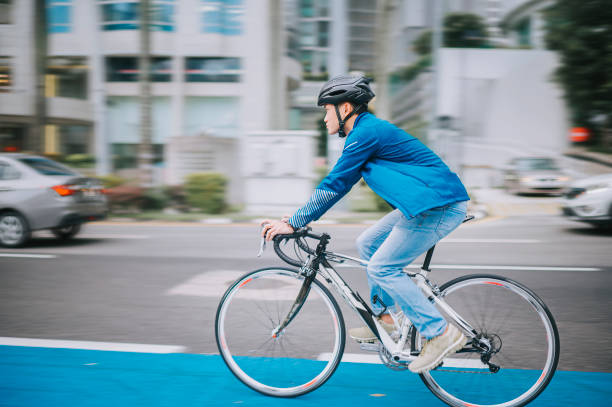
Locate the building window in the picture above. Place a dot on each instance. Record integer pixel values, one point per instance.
(523, 30)
(66, 77)
(5, 11)
(161, 69)
(212, 70)
(5, 74)
(323, 34)
(59, 16)
(126, 69)
(125, 15)
(122, 69)
(222, 16)
(308, 34)
(307, 8)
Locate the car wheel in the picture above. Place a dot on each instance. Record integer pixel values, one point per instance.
(14, 230)
(67, 232)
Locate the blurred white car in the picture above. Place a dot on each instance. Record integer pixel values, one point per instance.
(535, 175)
(590, 200)
(38, 193)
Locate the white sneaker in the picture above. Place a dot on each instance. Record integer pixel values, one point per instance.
(365, 334)
(436, 349)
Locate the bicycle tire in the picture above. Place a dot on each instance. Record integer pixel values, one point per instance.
(526, 336)
(298, 360)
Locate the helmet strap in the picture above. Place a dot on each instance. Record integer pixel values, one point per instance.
(341, 121)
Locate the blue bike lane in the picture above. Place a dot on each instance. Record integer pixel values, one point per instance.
(50, 377)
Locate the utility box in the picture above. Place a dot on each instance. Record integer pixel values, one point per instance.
(186, 155)
(278, 170)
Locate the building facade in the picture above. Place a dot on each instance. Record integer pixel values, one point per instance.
(218, 67)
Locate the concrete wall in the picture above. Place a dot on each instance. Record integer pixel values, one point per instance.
(506, 105)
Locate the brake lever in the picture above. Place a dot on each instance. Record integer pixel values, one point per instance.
(262, 244)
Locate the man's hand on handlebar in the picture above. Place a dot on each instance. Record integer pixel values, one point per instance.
(271, 228)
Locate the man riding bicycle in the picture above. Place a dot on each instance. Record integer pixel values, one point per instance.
(430, 202)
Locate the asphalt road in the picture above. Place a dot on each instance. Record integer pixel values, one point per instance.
(160, 284)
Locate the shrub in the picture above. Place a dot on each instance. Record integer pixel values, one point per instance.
(153, 199)
(206, 191)
(80, 160)
(111, 181)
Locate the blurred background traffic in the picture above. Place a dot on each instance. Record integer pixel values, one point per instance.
(182, 110)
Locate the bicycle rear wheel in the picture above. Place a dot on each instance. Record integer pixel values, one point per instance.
(523, 338)
(293, 362)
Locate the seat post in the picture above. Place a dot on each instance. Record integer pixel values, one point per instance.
(428, 258)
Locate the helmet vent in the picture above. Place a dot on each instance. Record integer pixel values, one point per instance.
(337, 92)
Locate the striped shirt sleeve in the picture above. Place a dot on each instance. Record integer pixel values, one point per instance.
(320, 201)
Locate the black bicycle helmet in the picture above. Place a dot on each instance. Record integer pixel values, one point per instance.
(346, 88)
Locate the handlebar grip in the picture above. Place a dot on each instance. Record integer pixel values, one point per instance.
(277, 240)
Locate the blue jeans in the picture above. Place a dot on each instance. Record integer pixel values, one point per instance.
(393, 243)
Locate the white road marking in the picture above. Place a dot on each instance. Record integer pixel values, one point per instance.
(487, 267)
(88, 345)
(527, 241)
(28, 255)
(353, 358)
(101, 236)
(97, 236)
(375, 359)
(215, 283)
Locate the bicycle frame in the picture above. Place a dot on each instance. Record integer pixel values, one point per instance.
(354, 300)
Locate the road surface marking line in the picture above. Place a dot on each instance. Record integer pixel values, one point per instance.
(102, 236)
(28, 255)
(485, 267)
(490, 241)
(375, 359)
(89, 345)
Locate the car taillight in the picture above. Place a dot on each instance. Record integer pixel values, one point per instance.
(64, 190)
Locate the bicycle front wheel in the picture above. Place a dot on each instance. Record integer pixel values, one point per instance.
(523, 339)
(294, 361)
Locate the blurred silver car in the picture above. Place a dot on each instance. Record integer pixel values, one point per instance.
(590, 200)
(37, 193)
(535, 175)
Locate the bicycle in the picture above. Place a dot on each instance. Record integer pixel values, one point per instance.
(281, 332)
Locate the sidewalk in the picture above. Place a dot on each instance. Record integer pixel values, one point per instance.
(497, 202)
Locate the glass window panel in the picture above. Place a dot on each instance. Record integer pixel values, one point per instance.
(122, 69)
(212, 70)
(323, 34)
(307, 32)
(5, 74)
(307, 8)
(59, 15)
(161, 69)
(222, 17)
(120, 12)
(70, 76)
(163, 13)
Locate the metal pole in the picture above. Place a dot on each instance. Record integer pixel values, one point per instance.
(36, 142)
(145, 156)
(436, 44)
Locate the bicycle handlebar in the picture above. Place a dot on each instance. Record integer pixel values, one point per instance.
(297, 235)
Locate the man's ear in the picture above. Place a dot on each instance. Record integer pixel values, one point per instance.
(347, 107)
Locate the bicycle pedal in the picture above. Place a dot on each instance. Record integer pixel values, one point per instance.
(370, 346)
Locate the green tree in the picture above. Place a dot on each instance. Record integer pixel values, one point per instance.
(461, 30)
(581, 32)
(422, 44)
(464, 30)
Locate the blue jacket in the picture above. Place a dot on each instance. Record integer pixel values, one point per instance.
(396, 166)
